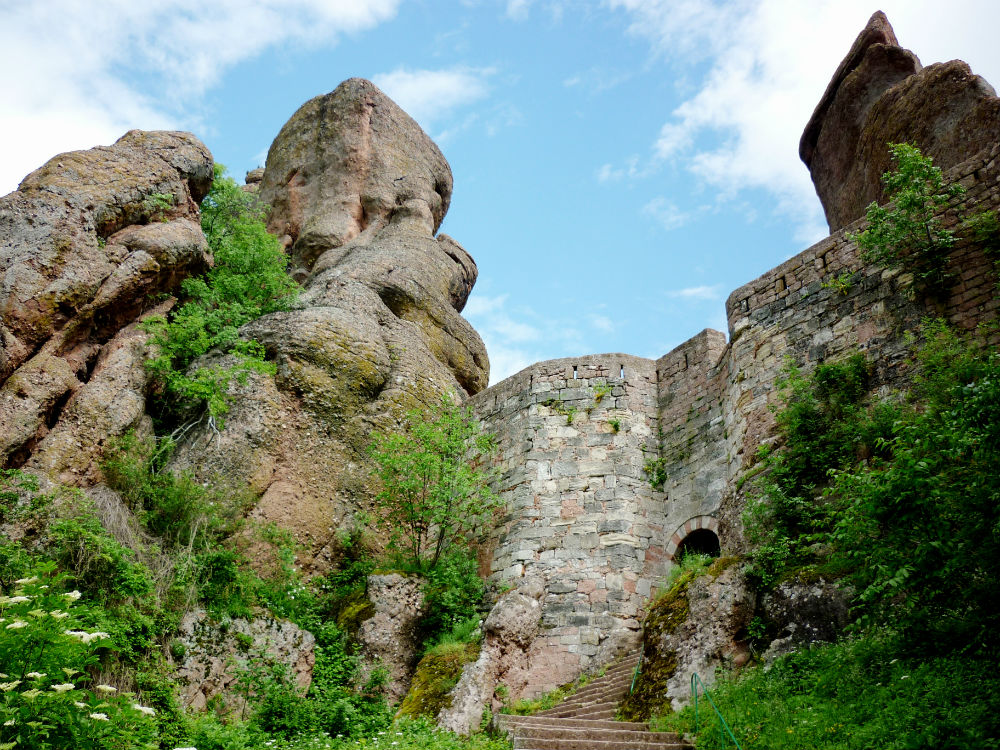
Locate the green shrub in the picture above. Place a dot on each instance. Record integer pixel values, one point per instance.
(436, 493)
(909, 229)
(247, 280)
(452, 595)
(858, 694)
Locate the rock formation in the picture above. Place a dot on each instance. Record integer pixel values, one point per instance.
(509, 631)
(388, 638)
(357, 191)
(208, 655)
(880, 94)
(85, 242)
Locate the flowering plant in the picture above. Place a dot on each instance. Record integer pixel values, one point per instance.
(45, 652)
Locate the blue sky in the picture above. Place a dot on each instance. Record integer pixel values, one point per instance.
(620, 165)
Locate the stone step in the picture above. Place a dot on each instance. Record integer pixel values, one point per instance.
(606, 693)
(572, 732)
(588, 744)
(561, 710)
(512, 721)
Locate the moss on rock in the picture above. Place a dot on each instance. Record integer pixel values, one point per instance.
(437, 673)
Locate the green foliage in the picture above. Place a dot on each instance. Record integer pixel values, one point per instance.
(337, 702)
(452, 594)
(856, 694)
(46, 700)
(825, 425)
(247, 280)
(655, 470)
(435, 492)
(984, 229)
(841, 284)
(156, 205)
(919, 530)
(910, 226)
(616, 425)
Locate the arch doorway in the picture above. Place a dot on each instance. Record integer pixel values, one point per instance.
(699, 534)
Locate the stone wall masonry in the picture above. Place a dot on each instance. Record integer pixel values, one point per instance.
(581, 515)
(795, 312)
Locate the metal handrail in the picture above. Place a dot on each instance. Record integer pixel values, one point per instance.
(638, 669)
(695, 681)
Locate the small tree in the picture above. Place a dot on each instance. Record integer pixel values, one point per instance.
(910, 224)
(435, 490)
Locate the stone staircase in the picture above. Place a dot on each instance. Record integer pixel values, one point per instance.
(586, 720)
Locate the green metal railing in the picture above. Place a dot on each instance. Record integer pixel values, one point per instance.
(726, 731)
(635, 674)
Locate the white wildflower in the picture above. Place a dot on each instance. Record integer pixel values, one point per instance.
(106, 689)
(17, 625)
(21, 581)
(7, 686)
(63, 687)
(79, 704)
(59, 614)
(31, 694)
(9, 723)
(16, 599)
(73, 595)
(70, 672)
(35, 675)
(99, 717)
(144, 709)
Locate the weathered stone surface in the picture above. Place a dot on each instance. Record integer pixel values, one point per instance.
(806, 612)
(509, 631)
(880, 94)
(388, 638)
(357, 190)
(83, 250)
(207, 655)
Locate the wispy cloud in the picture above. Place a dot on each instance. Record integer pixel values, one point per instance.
(85, 58)
(768, 63)
(517, 10)
(430, 95)
(712, 292)
(666, 213)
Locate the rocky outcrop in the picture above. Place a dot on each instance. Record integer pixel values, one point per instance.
(802, 613)
(388, 638)
(86, 241)
(357, 191)
(880, 94)
(697, 626)
(508, 633)
(208, 655)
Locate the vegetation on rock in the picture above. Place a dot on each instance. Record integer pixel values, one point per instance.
(910, 226)
(247, 280)
(436, 491)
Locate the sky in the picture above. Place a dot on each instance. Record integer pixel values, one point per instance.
(620, 165)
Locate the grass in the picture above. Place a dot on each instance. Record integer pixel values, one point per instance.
(859, 693)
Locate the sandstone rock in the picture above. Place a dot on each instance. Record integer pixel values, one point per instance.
(509, 630)
(388, 638)
(880, 94)
(357, 190)
(83, 249)
(208, 655)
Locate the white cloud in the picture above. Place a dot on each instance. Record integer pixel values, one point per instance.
(666, 213)
(768, 64)
(602, 323)
(429, 95)
(72, 67)
(697, 292)
(517, 10)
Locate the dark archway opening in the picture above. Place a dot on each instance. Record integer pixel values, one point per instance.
(699, 541)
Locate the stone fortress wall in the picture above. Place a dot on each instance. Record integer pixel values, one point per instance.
(575, 433)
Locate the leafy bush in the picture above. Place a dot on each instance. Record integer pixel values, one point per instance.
(825, 425)
(247, 280)
(856, 694)
(435, 493)
(45, 652)
(452, 594)
(910, 226)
